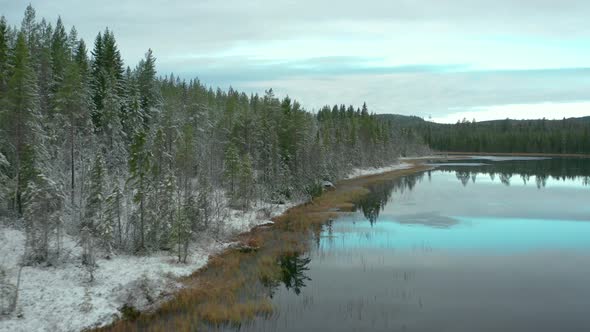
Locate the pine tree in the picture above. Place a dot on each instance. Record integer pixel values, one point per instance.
(111, 132)
(148, 90)
(4, 56)
(30, 29)
(73, 107)
(246, 181)
(231, 168)
(95, 223)
(182, 227)
(139, 167)
(165, 212)
(45, 79)
(20, 106)
(43, 202)
(4, 181)
(113, 215)
(60, 53)
(107, 74)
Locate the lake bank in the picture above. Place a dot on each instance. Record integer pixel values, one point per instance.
(234, 286)
(494, 244)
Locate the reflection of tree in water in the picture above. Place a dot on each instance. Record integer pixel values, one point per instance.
(542, 170)
(292, 269)
(463, 176)
(379, 195)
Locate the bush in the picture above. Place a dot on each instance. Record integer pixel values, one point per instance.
(314, 190)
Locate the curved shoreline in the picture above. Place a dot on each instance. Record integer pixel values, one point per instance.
(230, 288)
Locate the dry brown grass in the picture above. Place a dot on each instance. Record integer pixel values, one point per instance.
(231, 288)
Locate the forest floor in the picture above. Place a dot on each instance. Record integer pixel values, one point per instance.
(62, 298)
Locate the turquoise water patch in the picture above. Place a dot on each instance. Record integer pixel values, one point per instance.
(475, 233)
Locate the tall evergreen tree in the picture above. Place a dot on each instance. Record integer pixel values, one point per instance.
(21, 106)
(139, 167)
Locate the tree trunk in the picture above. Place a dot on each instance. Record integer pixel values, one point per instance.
(72, 165)
(141, 214)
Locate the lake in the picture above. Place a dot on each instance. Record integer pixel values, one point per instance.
(492, 244)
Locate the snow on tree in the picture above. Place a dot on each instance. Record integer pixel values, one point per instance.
(42, 213)
(129, 161)
(138, 182)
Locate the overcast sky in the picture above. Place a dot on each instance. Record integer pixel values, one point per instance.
(439, 59)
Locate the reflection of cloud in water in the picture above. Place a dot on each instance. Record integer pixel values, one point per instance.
(431, 219)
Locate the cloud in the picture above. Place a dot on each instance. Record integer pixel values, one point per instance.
(436, 94)
(549, 110)
(428, 57)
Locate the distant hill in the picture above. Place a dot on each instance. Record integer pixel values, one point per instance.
(402, 120)
(511, 136)
(412, 120)
(571, 135)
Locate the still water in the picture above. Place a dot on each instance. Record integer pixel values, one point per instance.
(492, 244)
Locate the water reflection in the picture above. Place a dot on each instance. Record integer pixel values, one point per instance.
(380, 194)
(459, 248)
(293, 268)
(292, 274)
(431, 219)
(539, 172)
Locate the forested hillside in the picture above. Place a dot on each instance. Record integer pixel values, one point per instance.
(533, 136)
(506, 136)
(130, 161)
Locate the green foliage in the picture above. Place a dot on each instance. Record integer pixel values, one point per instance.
(231, 167)
(246, 181)
(112, 214)
(139, 168)
(315, 189)
(95, 199)
(16, 117)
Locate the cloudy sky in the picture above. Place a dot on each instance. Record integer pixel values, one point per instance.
(438, 59)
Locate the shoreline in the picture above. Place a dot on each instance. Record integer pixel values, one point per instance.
(61, 306)
(512, 154)
(209, 294)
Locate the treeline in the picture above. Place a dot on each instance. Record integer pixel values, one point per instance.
(129, 161)
(510, 136)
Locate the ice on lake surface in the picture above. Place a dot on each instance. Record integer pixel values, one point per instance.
(498, 247)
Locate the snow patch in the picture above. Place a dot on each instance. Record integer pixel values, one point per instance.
(358, 172)
(61, 298)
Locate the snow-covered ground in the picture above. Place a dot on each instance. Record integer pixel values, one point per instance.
(371, 171)
(60, 298)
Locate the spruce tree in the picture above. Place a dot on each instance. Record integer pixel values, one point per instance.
(43, 203)
(246, 181)
(231, 168)
(113, 213)
(19, 112)
(139, 167)
(4, 56)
